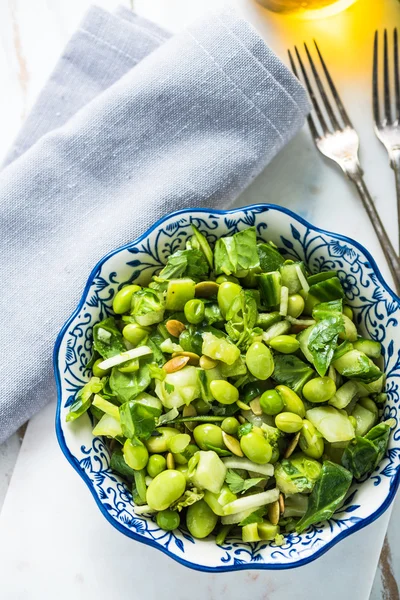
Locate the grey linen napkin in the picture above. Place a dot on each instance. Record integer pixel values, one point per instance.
(132, 124)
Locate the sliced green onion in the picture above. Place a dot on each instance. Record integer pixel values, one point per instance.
(251, 502)
(302, 279)
(118, 359)
(107, 407)
(232, 462)
(144, 510)
(283, 307)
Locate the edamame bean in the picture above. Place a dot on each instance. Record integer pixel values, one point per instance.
(168, 519)
(201, 406)
(122, 299)
(227, 292)
(348, 312)
(319, 389)
(178, 443)
(259, 360)
(285, 343)
(223, 278)
(310, 441)
(135, 454)
(295, 306)
(184, 469)
(224, 392)
(288, 422)
(159, 444)
(256, 447)
(194, 311)
(97, 372)
(271, 402)
(230, 425)
(165, 488)
(200, 519)
(208, 434)
(134, 333)
(291, 401)
(156, 465)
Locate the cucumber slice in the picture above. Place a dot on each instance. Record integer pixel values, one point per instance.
(265, 320)
(278, 329)
(327, 290)
(365, 419)
(270, 288)
(318, 277)
(344, 395)
(369, 347)
(350, 332)
(357, 365)
(290, 277)
(204, 246)
(303, 338)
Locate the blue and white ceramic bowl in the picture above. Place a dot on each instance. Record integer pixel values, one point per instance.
(377, 311)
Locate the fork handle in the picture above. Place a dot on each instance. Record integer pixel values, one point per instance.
(396, 168)
(387, 247)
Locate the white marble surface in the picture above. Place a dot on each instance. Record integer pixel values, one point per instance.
(49, 527)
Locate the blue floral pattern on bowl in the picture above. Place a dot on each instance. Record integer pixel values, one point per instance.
(376, 310)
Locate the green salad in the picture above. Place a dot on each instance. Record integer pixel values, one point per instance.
(235, 393)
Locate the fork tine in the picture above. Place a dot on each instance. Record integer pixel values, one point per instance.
(310, 90)
(310, 118)
(322, 92)
(333, 89)
(375, 92)
(386, 81)
(396, 74)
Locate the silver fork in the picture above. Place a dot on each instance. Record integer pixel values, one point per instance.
(336, 138)
(387, 127)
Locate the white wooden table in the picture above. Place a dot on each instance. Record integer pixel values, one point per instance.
(32, 34)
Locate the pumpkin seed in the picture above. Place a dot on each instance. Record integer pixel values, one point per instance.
(174, 327)
(281, 501)
(176, 364)
(292, 446)
(207, 362)
(190, 411)
(242, 405)
(170, 461)
(205, 289)
(256, 407)
(241, 419)
(232, 444)
(193, 357)
(274, 512)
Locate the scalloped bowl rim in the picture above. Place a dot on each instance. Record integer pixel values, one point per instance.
(71, 459)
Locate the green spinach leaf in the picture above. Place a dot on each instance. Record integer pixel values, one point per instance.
(185, 263)
(363, 455)
(291, 371)
(327, 495)
(138, 418)
(269, 257)
(83, 399)
(107, 338)
(323, 341)
(126, 386)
